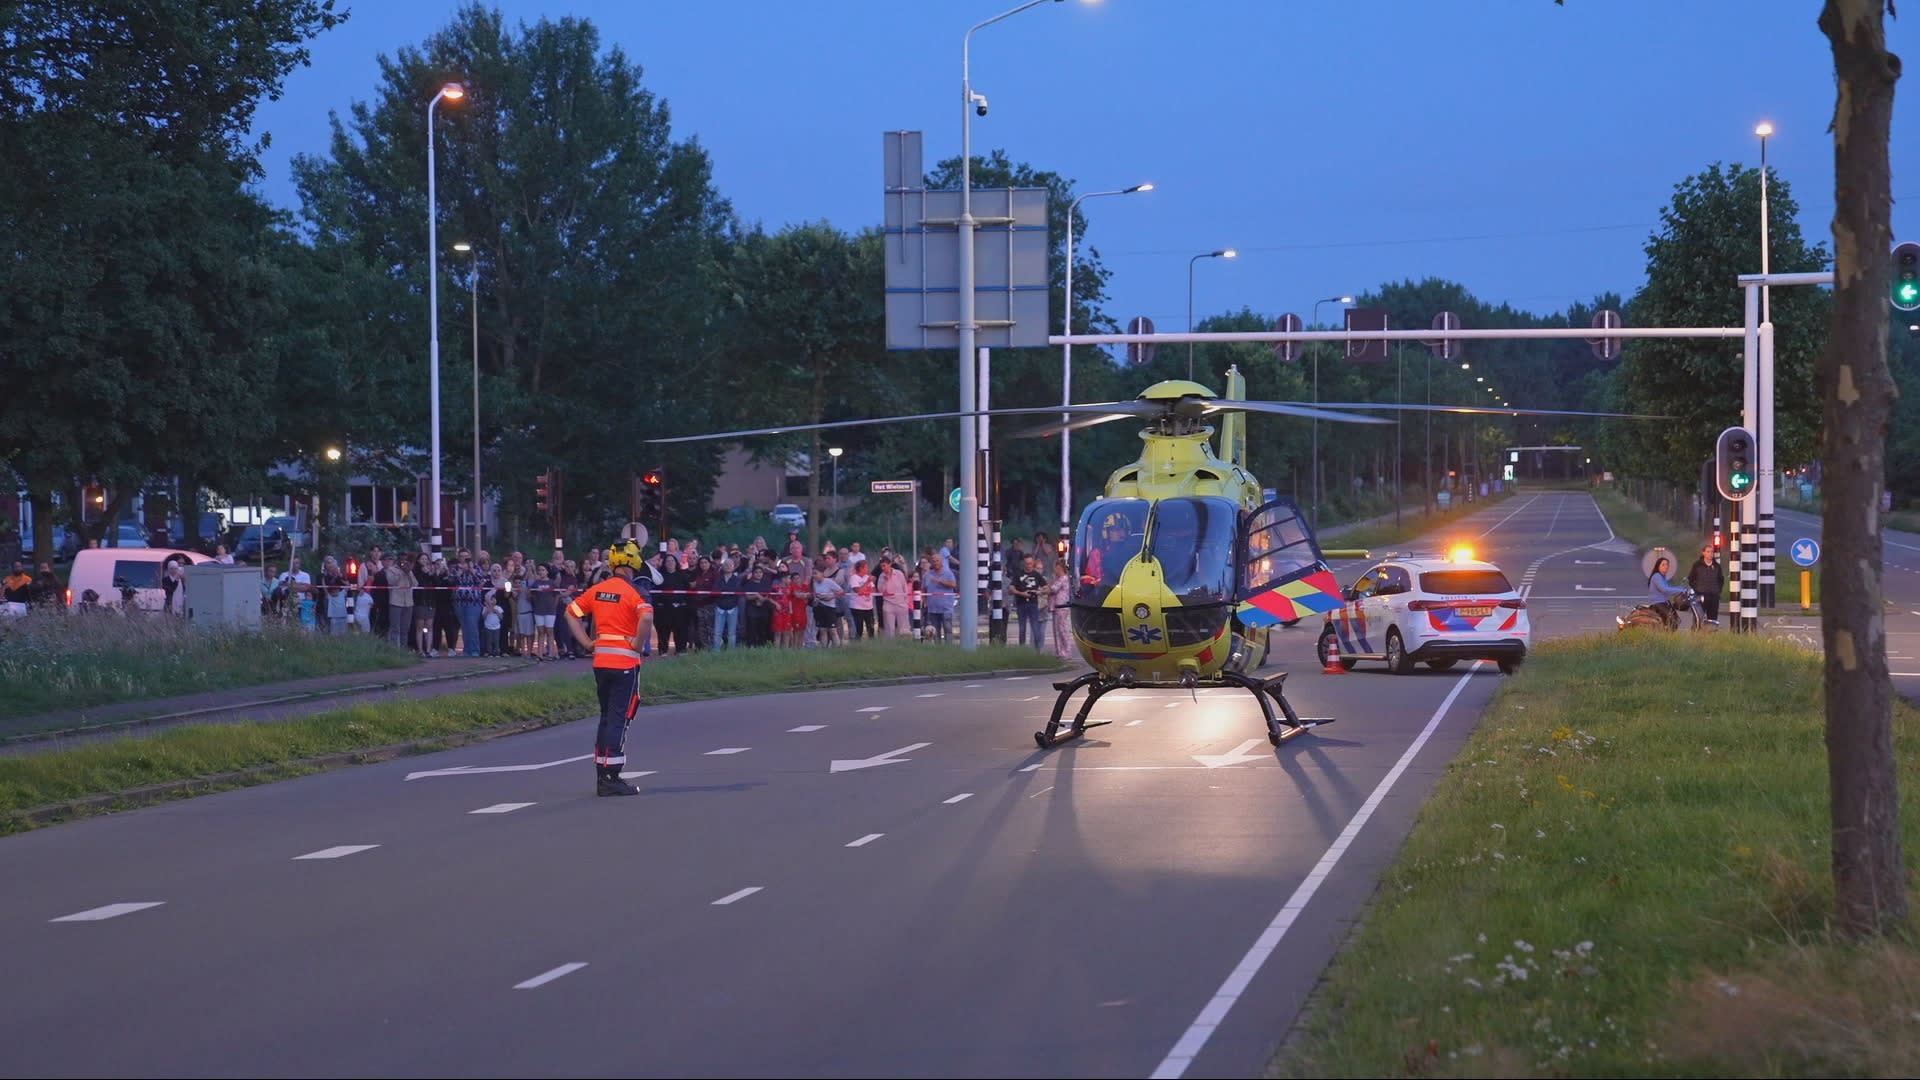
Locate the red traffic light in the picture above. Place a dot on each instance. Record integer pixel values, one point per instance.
(353, 568)
(1717, 541)
(543, 491)
(651, 478)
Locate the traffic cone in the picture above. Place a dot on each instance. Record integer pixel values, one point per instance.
(1334, 666)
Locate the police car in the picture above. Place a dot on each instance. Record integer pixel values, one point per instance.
(1437, 611)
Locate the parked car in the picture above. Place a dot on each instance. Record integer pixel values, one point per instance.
(65, 543)
(134, 573)
(790, 515)
(275, 535)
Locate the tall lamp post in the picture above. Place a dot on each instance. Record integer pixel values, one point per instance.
(333, 458)
(1066, 364)
(1315, 515)
(969, 435)
(1223, 253)
(473, 302)
(835, 452)
(449, 92)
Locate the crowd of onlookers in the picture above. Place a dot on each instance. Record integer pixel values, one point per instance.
(468, 604)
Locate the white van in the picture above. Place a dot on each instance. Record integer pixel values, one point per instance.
(104, 570)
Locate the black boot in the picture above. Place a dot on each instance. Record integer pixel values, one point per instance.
(610, 782)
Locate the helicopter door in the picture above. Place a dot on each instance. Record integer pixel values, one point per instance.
(1283, 579)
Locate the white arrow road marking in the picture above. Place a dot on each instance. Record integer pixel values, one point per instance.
(741, 895)
(542, 980)
(469, 770)
(501, 808)
(891, 757)
(1239, 755)
(111, 911)
(1594, 588)
(340, 852)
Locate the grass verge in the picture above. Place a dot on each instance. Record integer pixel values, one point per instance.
(52, 662)
(1647, 530)
(198, 758)
(1413, 524)
(1624, 873)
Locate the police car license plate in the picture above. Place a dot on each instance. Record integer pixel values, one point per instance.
(1473, 612)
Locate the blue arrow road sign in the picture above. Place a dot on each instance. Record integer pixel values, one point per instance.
(953, 500)
(1806, 552)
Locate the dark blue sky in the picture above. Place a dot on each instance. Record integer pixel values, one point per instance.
(1521, 148)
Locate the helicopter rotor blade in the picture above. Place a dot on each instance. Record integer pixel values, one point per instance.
(1124, 407)
(1291, 408)
(1072, 425)
(1496, 410)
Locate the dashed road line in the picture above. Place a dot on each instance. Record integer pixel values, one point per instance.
(936, 694)
(340, 852)
(808, 727)
(1035, 765)
(546, 977)
(109, 911)
(962, 797)
(501, 808)
(739, 895)
(867, 839)
(728, 750)
(874, 708)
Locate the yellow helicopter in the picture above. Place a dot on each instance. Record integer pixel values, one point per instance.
(1181, 569)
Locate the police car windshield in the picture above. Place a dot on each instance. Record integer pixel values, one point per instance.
(1193, 542)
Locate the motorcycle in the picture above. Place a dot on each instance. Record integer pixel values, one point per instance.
(1667, 614)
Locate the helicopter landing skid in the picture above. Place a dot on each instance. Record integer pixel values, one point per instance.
(1281, 726)
(1056, 733)
(1287, 723)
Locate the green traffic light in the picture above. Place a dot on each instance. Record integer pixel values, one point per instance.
(1739, 481)
(1907, 292)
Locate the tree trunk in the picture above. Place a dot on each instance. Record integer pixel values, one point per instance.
(1858, 391)
(40, 497)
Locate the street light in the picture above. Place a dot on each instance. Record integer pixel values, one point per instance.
(1223, 253)
(969, 429)
(1066, 360)
(1766, 292)
(333, 458)
(1315, 516)
(473, 277)
(835, 452)
(451, 92)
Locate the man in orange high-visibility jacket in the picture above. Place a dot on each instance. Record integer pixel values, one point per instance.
(622, 623)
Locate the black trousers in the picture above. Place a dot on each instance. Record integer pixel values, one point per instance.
(616, 688)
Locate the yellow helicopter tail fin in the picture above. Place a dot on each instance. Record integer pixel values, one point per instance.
(1233, 426)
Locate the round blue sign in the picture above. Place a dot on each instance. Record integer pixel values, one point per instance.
(953, 500)
(1805, 552)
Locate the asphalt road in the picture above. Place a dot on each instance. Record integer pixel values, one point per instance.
(1899, 584)
(1158, 899)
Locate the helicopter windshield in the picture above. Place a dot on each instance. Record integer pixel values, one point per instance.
(1193, 542)
(1111, 532)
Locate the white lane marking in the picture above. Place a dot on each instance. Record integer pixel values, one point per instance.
(728, 750)
(1594, 588)
(1173, 704)
(807, 727)
(926, 695)
(1035, 697)
(110, 911)
(1603, 521)
(546, 977)
(972, 686)
(962, 797)
(1558, 505)
(741, 895)
(1589, 562)
(636, 775)
(874, 708)
(341, 851)
(1509, 517)
(501, 808)
(1041, 792)
(469, 770)
(891, 757)
(867, 839)
(1018, 678)
(1135, 723)
(1030, 768)
(1195, 1038)
(1239, 755)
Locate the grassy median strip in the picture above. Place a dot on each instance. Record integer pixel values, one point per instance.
(52, 662)
(1413, 524)
(1624, 873)
(197, 758)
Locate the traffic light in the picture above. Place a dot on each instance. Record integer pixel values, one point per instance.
(653, 478)
(1733, 463)
(543, 492)
(1905, 282)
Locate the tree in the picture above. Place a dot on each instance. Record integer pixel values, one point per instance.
(601, 248)
(140, 280)
(1709, 235)
(1856, 390)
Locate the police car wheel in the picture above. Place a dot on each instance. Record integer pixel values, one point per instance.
(1397, 660)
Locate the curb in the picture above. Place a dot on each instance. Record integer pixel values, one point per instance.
(153, 793)
(214, 710)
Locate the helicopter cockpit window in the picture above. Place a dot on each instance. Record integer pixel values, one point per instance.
(1193, 542)
(1111, 532)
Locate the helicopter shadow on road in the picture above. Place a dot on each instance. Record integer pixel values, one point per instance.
(1324, 776)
